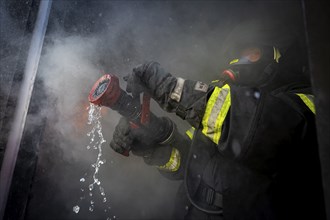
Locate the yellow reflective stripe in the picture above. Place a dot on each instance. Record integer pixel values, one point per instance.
(190, 132)
(174, 162)
(215, 113)
(308, 100)
(233, 61)
(277, 54)
(208, 110)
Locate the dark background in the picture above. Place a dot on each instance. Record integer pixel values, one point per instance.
(86, 39)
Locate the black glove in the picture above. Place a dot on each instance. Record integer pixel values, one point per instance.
(122, 137)
(142, 140)
(135, 80)
(150, 77)
(154, 153)
(125, 138)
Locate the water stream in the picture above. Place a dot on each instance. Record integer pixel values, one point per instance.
(95, 144)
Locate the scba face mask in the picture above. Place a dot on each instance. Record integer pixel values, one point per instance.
(251, 65)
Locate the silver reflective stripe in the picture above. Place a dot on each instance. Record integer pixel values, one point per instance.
(177, 92)
(215, 112)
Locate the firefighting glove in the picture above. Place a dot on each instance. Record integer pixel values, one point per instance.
(151, 78)
(186, 98)
(122, 138)
(138, 141)
(126, 138)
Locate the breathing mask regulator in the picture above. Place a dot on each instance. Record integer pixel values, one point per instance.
(251, 65)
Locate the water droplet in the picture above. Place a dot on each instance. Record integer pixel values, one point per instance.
(198, 176)
(194, 156)
(104, 199)
(91, 186)
(102, 191)
(82, 180)
(114, 216)
(92, 202)
(186, 207)
(76, 209)
(90, 194)
(91, 208)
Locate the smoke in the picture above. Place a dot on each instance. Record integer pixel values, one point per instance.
(11, 39)
(86, 40)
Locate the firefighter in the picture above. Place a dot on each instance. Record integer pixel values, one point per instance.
(251, 152)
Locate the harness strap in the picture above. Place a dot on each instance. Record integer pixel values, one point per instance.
(207, 195)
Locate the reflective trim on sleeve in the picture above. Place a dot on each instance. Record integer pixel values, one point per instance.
(308, 100)
(174, 162)
(215, 113)
(277, 54)
(190, 133)
(177, 92)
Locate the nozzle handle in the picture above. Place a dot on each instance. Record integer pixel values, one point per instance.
(107, 92)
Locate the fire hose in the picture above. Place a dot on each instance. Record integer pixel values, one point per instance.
(107, 92)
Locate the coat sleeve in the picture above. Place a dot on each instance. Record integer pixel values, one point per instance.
(170, 156)
(187, 98)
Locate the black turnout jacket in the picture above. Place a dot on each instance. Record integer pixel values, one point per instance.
(251, 152)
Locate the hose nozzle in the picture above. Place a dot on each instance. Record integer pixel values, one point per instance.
(106, 91)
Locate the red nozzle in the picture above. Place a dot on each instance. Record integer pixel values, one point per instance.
(105, 91)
